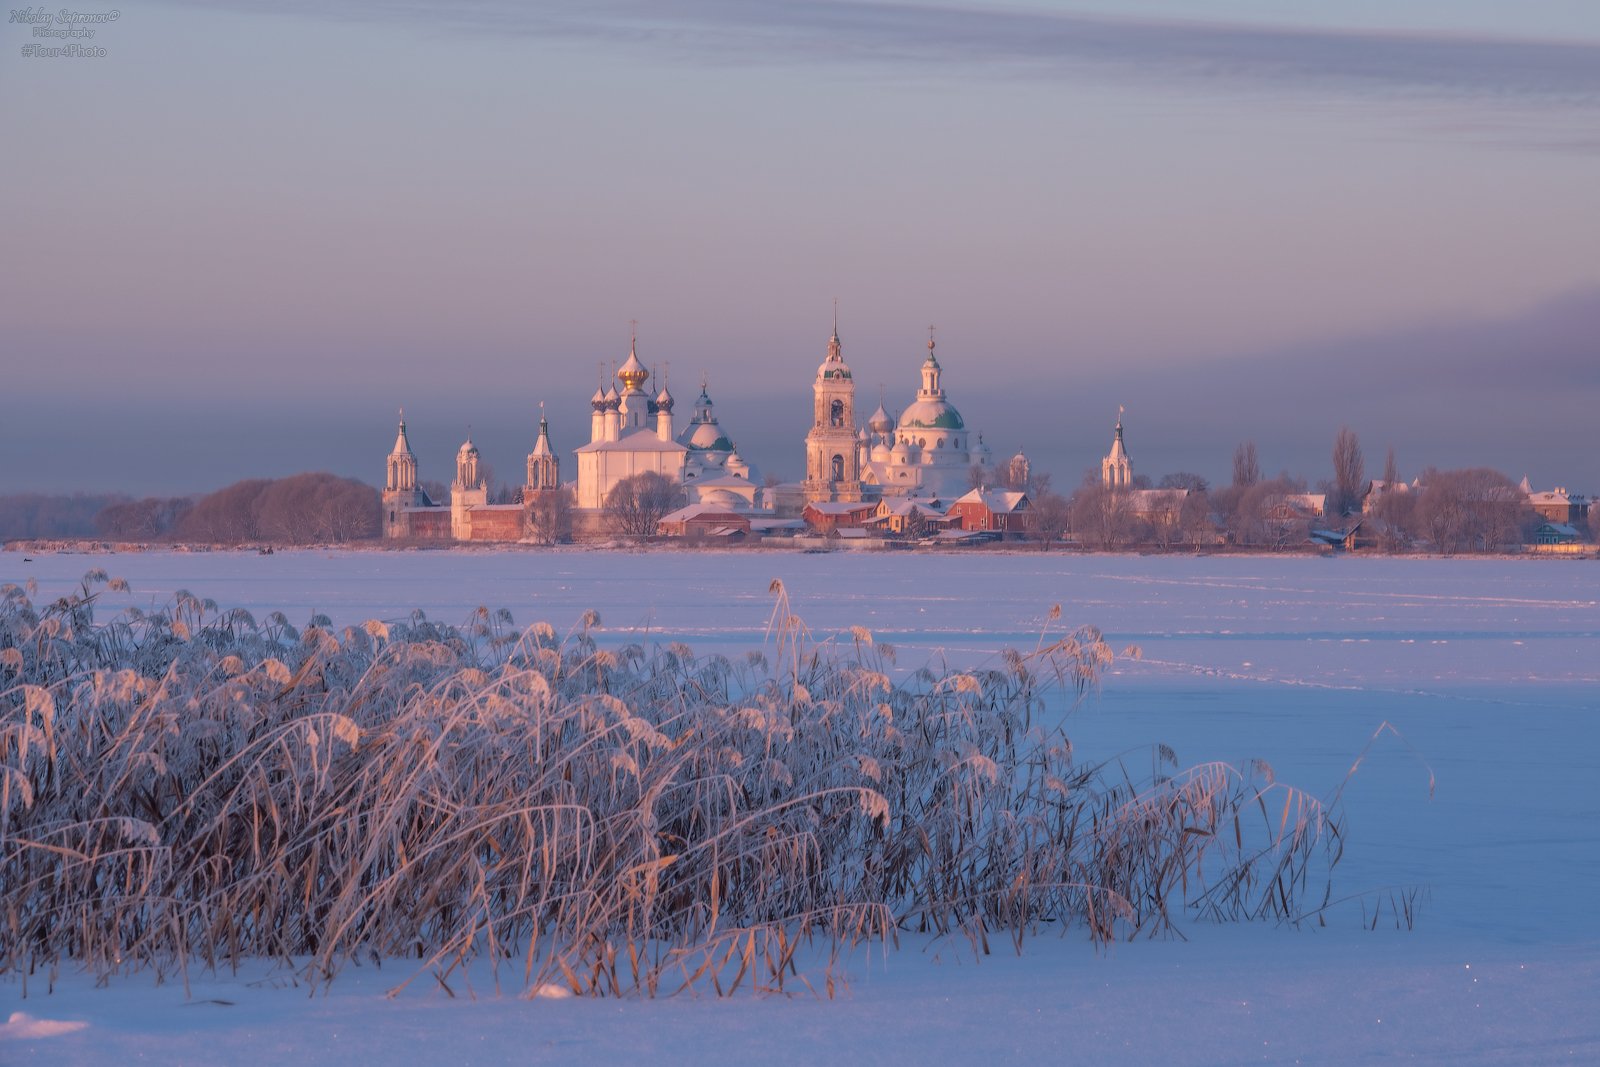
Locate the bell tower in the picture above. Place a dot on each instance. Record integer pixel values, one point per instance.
(1116, 470)
(833, 460)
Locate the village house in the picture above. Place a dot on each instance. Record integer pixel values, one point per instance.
(828, 516)
(992, 510)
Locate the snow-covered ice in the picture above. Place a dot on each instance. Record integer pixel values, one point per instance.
(1489, 670)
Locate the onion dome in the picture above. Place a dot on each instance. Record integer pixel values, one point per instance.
(633, 374)
(613, 399)
(598, 401)
(880, 422)
(664, 400)
(467, 449)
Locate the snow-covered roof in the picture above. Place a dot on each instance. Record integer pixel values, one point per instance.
(998, 501)
(637, 441)
(840, 507)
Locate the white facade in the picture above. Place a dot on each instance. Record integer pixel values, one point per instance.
(833, 455)
(632, 434)
(928, 451)
(629, 434)
(1116, 469)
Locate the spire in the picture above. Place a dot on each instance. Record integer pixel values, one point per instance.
(541, 446)
(402, 446)
(1120, 411)
(835, 349)
(835, 320)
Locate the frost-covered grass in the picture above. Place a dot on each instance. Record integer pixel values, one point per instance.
(191, 787)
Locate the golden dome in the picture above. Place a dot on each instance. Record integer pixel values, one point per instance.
(632, 374)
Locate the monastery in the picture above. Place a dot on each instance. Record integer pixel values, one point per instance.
(925, 455)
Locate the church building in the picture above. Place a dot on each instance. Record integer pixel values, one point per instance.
(629, 434)
(928, 451)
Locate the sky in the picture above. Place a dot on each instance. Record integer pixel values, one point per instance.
(237, 242)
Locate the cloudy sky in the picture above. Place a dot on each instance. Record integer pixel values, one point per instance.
(238, 241)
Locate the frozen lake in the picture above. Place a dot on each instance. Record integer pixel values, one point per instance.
(1489, 670)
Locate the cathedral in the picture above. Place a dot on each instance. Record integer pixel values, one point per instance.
(630, 432)
(926, 453)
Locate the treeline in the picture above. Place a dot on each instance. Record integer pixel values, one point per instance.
(297, 510)
(1448, 511)
(29, 516)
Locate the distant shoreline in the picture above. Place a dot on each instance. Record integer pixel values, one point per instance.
(94, 547)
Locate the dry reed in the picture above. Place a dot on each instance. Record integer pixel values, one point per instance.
(194, 787)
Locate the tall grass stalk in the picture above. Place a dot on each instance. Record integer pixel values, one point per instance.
(193, 786)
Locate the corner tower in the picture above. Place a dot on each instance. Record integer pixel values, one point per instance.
(544, 468)
(467, 492)
(400, 490)
(833, 462)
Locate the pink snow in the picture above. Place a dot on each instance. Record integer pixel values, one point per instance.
(1489, 669)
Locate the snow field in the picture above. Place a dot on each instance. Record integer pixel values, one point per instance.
(1487, 668)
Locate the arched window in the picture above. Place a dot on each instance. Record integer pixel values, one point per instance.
(838, 465)
(836, 413)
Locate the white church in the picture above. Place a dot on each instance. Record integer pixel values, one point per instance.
(926, 453)
(631, 433)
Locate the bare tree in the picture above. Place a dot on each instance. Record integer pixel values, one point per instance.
(549, 516)
(226, 516)
(1391, 469)
(980, 477)
(316, 508)
(1393, 519)
(1349, 472)
(1048, 518)
(635, 506)
(1164, 526)
(142, 520)
(299, 509)
(1472, 510)
(1194, 519)
(1246, 465)
(1101, 517)
(1184, 480)
(1267, 515)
